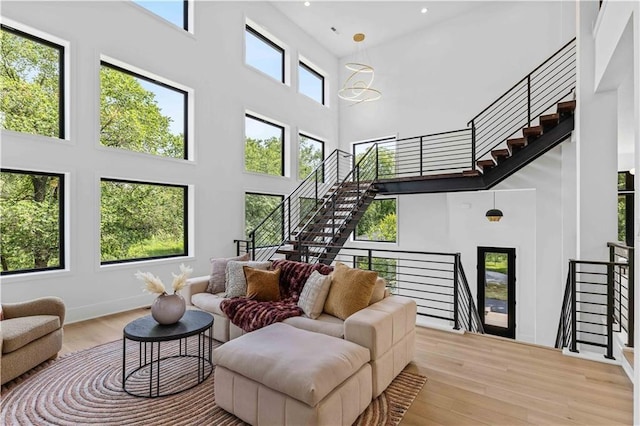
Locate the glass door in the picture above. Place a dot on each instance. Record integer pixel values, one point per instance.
(497, 290)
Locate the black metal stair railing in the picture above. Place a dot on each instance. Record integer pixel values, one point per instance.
(587, 316)
(436, 281)
(623, 291)
(334, 219)
(549, 83)
(297, 208)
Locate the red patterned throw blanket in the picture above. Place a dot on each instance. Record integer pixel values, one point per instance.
(250, 315)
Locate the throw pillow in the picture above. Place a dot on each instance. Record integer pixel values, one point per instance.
(262, 286)
(350, 291)
(236, 284)
(218, 273)
(378, 291)
(314, 294)
(1, 313)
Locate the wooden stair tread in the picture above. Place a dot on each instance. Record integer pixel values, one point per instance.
(533, 131)
(549, 120)
(474, 172)
(566, 107)
(485, 163)
(500, 154)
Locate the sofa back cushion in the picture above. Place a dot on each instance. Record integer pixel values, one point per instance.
(293, 276)
(351, 290)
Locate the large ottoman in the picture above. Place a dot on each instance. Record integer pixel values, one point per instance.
(282, 375)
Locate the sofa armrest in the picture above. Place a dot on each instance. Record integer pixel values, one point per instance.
(42, 306)
(381, 325)
(194, 285)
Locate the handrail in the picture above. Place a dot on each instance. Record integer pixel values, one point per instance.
(624, 291)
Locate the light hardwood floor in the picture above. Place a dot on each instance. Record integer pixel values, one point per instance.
(473, 380)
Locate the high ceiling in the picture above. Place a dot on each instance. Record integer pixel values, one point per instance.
(379, 20)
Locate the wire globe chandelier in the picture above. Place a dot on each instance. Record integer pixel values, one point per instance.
(357, 87)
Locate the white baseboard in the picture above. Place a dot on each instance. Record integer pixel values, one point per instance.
(96, 310)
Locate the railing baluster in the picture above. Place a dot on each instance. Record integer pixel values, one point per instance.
(529, 100)
(421, 154)
(572, 272)
(473, 144)
(456, 320)
(631, 296)
(610, 302)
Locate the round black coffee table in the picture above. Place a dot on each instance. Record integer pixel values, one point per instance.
(183, 365)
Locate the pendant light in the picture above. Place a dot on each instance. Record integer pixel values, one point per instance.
(494, 215)
(357, 87)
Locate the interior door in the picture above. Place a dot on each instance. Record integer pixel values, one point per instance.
(497, 290)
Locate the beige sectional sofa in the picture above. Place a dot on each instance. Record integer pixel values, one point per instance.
(386, 328)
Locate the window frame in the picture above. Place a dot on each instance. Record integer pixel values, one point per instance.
(62, 93)
(282, 150)
(185, 215)
(302, 64)
(185, 107)
(62, 247)
(626, 192)
(270, 43)
(282, 197)
(355, 231)
(315, 139)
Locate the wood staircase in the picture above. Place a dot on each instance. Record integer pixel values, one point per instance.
(331, 225)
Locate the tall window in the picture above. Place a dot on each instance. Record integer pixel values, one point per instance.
(175, 12)
(379, 222)
(386, 156)
(31, 84)
(625, 208)
(141, 114)
(264, 210)
(311, 155)
(263, 54)
(310, 82)
(264, 147)
(32, 225)
(140, 220)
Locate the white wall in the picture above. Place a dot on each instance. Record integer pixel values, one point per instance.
(211, 63)
(438, 78)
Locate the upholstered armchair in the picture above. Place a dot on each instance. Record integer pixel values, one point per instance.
(30, 334)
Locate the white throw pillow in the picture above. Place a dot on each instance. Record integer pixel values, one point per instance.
(236, 284)
(314, 293)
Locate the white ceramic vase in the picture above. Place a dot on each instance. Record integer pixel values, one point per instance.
(168, 308)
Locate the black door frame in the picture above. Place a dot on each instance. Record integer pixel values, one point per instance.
(510, 331)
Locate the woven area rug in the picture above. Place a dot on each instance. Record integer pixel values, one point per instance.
(85, 388)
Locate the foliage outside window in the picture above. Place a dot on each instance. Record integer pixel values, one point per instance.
(264, 147)
(264, 207)
(625, 208)
(386, 158)
(31, 84)
(379, 222)
(32, 226)
(385, 267)
(311, 155)
(142, 220)
(263, 54)
(308, 207)
(140, 114)
(310, 82)
(175, 12)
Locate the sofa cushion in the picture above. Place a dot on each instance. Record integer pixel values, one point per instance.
(351, 290)
(218, 276)
(314, 294)
(305, 366)
(379, 291)
(294, 275)
(209, 302)
(262, 286)
(18, 332)
(325, 324)
(236, 281)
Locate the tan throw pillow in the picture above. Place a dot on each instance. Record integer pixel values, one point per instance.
(378, 291)
(350, 291)
(314, 293)
(218, 272)
(263, 286)
(236, 282)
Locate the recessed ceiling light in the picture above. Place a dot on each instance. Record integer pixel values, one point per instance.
(424, 10)
(307, 3)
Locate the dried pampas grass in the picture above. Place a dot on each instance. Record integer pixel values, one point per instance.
(153, 284)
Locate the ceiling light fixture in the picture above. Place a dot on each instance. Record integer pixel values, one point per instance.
(357, 87)
(494, 215)
(424, 10)
(307, 3)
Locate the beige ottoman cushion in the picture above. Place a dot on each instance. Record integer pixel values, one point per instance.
(303, 365)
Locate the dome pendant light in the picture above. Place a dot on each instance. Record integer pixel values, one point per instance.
(494, 215)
